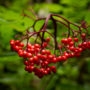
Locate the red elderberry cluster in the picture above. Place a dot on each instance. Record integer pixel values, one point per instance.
(33, 56)
(38, 59)
(73, 49)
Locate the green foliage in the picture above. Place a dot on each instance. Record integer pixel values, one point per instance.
(50, 7)
(39, 25)
(70, 75)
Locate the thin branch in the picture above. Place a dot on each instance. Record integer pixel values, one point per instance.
(68, 29)
(25, 15)
(44, 27)
(31, 9)
(65, 20)
(55, 32)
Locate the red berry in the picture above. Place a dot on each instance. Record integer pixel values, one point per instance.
(77, 54)
(20, 53)
(21, 44)
(59, 58)
(88, 42)
(64, 58)
(76, 51)
(72, 48)
(84, 43)
(53, 68)
(17, 42)
(48, 70)
(29, 55)
(25, 53)
(39, 55)
(35, 58)
(37, 46)
(54, 60)
(31, 68)
(48, 52)
(12, 42)
(69, 39)
(44, 57)
(31, 60)
(65, 41)
(66, 54)
(71, 43)
(31, 64)
(33, 47)
(44, 45)
(43, 52)
(29, 45)
(46, 62)
(37, 49)
(80, 45)
(62, 40)
(50, 57)
(32, 51)
(43, 64)
(26, 68)
(35, 69)
(26, 63)
(80, 49)
(76, 39)
(83, 35)
(72, 55)
(48, 39)
(45, 72)
(17, 48)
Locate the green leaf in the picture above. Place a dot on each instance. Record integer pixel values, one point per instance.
(55, 8)
(39, 25)
(11, 15)
(52, 7)
(6, 34)
(28, 22)
(74, 3)
(87, 17)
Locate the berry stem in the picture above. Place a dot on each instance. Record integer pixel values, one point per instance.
(55, 32)
(44, 27)
(68, 29)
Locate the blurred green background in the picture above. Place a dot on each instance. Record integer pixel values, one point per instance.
(72, 75)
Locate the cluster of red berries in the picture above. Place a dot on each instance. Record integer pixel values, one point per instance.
(38, 59)
(73, 47)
